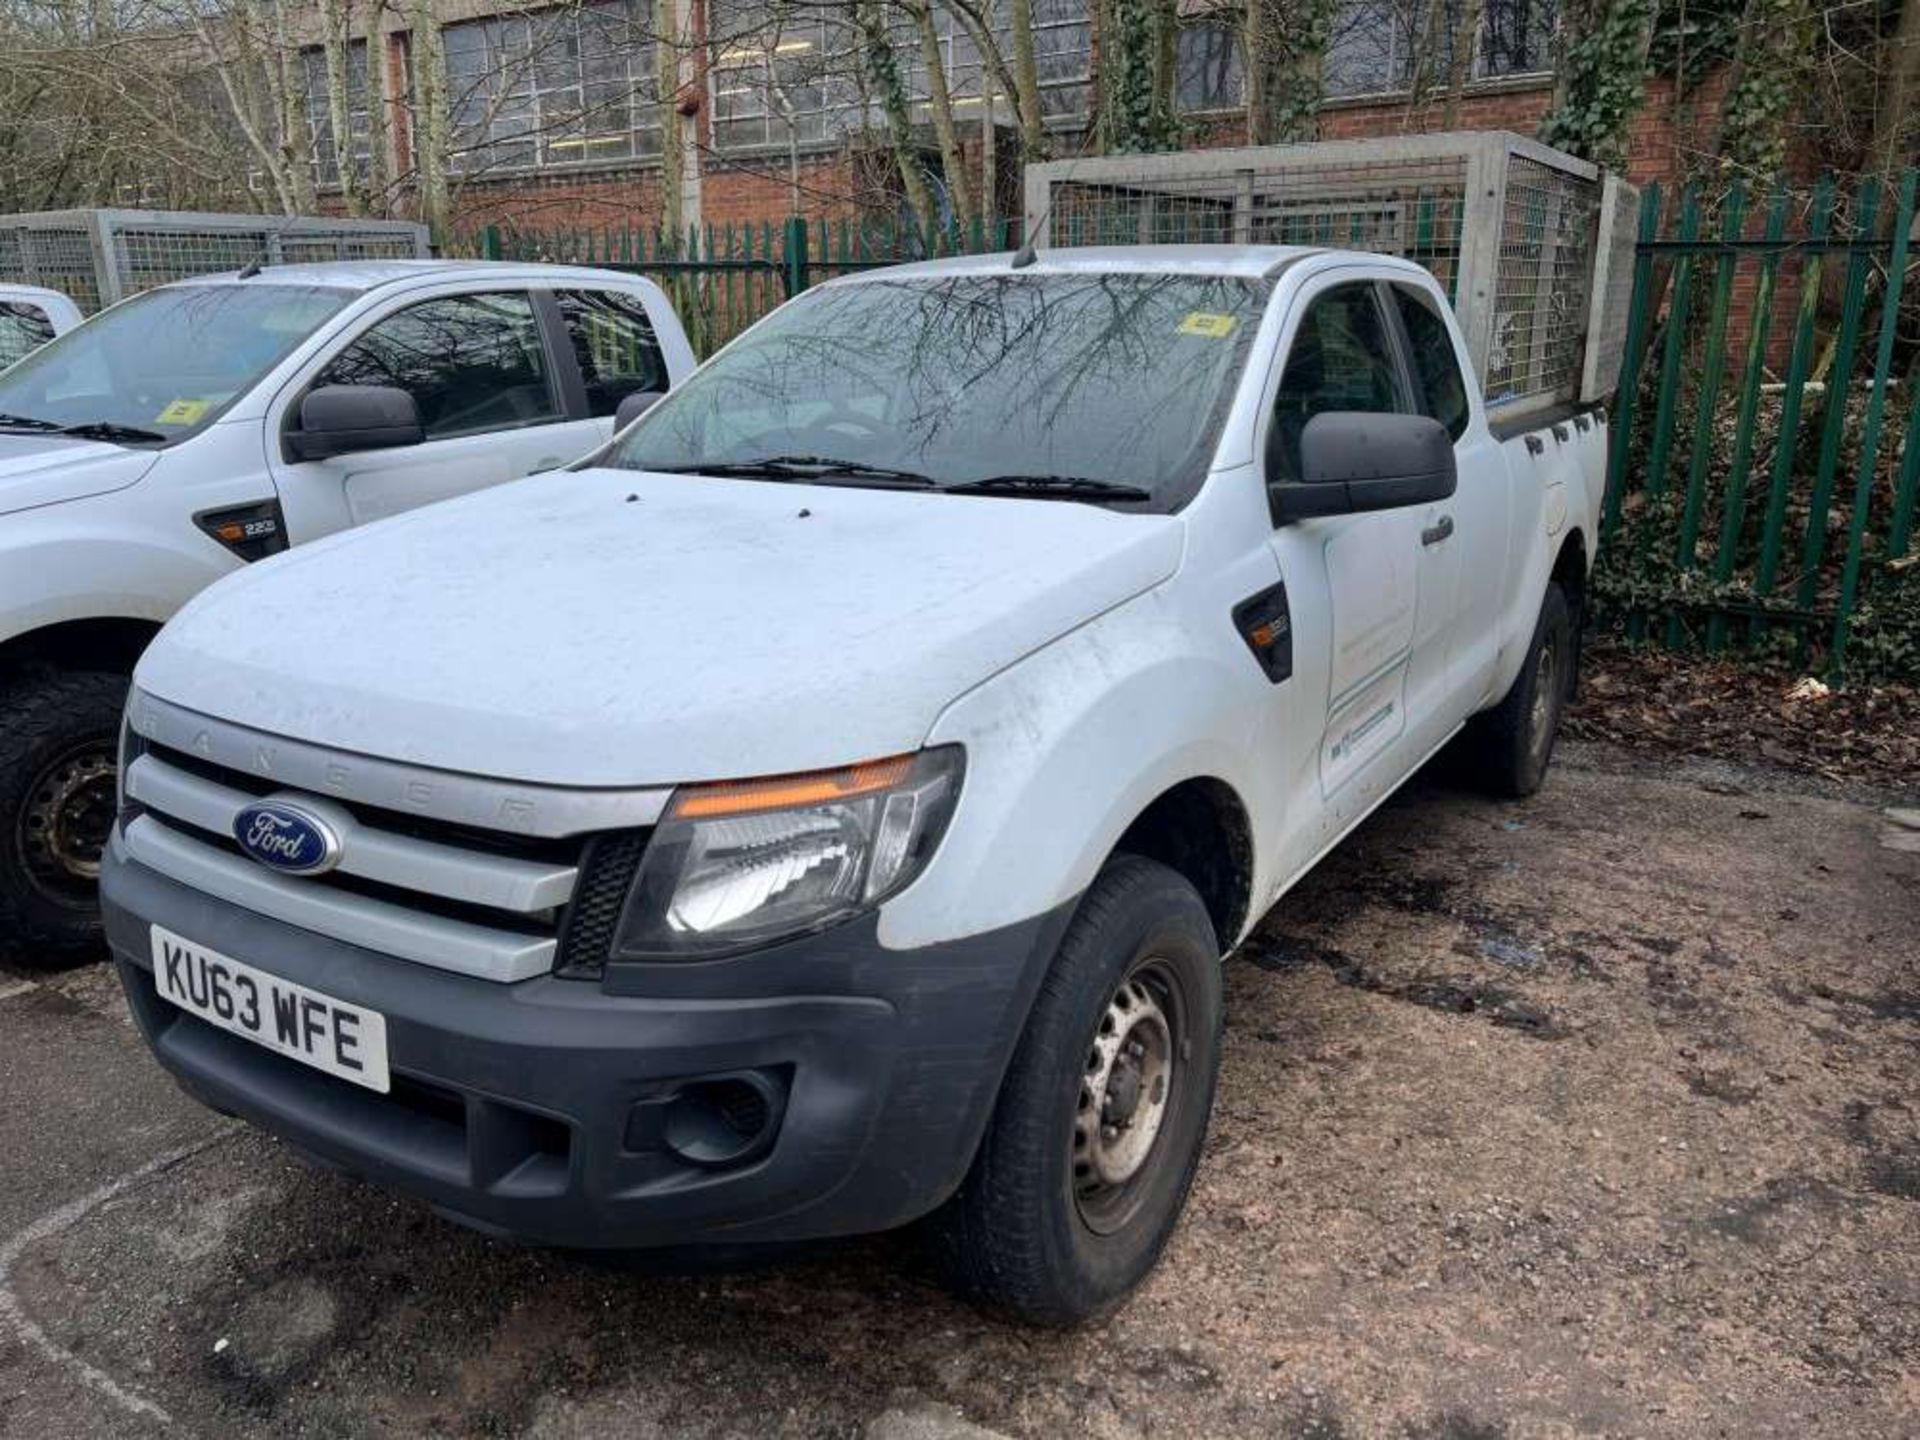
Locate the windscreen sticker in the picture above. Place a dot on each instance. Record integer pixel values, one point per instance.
(1204, 322)
(183, 412)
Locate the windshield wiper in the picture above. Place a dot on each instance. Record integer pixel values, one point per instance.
(109, 431)
(808, 469)
(26, 422)
(1051, 487)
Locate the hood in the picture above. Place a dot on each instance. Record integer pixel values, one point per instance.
(47, 469)
(605, 628)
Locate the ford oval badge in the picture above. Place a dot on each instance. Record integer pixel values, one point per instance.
(287, 837)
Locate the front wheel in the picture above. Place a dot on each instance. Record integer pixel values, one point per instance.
(59, 737)
(1098, 1129)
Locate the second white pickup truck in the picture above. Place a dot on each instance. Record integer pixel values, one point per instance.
(198, 427)
(830, 807)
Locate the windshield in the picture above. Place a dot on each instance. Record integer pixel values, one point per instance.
(1107, 387)
(162, 365)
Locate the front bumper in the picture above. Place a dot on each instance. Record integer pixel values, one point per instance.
(533, 1110)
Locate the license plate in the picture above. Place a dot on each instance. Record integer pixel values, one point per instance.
(343, 1040)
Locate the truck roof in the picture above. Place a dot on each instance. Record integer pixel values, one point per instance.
(1252, 262)
(365, 275)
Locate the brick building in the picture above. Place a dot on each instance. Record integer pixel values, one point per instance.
(557, 123)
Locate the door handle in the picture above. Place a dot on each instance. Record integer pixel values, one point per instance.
(1438, 531)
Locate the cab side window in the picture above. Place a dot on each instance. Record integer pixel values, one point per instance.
(1436, 368)
(1342, 359)
(612, 338)
(472, 363)
(23, 329)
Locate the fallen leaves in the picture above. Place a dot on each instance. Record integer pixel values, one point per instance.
(1651, 699)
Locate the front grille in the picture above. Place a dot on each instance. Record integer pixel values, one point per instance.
(462, 897)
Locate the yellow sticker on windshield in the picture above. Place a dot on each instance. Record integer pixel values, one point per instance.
(183, 412)
(1204, 322)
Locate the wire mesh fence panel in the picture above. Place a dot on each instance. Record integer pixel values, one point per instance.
(100, 256)
(1410, 207)
(58, 257)
(1506, 225)
(1541, 280)
(146, 256)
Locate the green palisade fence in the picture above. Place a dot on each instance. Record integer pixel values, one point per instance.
(1766, 430)
(722, 278)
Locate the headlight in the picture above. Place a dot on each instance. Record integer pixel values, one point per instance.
(742, 863)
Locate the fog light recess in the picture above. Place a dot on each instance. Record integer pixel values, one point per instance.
(723, 1120)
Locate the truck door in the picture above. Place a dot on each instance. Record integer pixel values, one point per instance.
(491, 398)
(1387, 603)
(1467, 538)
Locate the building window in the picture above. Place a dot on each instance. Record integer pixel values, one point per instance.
(795, 75)
(1209, 75)
(787, 77)
(553, 89)
(326, 155)
(1375, 44)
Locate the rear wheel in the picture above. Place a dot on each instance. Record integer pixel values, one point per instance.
(59, 738)
(1511, 744)
(1097, 1132)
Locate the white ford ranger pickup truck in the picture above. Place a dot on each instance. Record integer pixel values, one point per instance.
(829, 807)
(190, 430)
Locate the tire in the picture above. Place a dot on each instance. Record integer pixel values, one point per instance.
(1046, 1228)
(59, 738)
(1509, 746)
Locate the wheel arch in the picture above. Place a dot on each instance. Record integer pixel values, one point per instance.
(111, 643)
(1200, 828)
(1571, 566)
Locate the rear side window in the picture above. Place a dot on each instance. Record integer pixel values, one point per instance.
(1436, 369)
(471, 362)
(613, 339)
(23, 328)
(1341, 359)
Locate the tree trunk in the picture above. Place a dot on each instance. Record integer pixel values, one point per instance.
(1896, 130)
(430, 124)
(1460, 63)
(380, 103)
(336, 18)
(884, 73)
(940, 102)
(1026, 81)
(286, 84)
(1285, 42)
(666, 81)
(236, 84)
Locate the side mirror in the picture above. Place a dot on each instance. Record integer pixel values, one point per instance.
(344, 419)
(1353, 460)
(634, 406)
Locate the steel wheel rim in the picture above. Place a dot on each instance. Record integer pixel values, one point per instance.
(64, 825)
(1546, 695)
(1128, 1092)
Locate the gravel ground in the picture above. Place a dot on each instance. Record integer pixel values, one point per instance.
(1592, 1115)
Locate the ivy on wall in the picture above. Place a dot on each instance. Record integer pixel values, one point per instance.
(1601, 83)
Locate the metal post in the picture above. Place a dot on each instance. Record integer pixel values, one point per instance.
(106, 265)
(798, 271)
(1481, 218)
